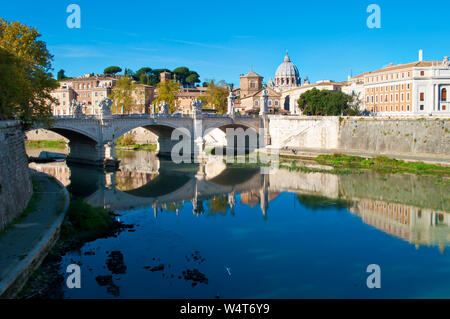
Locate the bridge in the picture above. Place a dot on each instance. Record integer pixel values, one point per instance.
(92, 138)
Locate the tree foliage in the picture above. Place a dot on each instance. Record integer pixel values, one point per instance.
(25, 78)
(112, 70)
(326, 103)
(122, 94)
(167, 92)
(216, 96)
(61, 75)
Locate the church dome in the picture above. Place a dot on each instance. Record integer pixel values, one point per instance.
(287, 76)
(287, 68)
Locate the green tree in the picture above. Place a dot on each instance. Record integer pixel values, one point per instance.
(193, 78)
(217, 95)
(181, 74)
(25, 78)
(61, 75)
(112, 70)
(326, 103)
(128, 72)
(143, 75)
(167, 92)
(122, 94)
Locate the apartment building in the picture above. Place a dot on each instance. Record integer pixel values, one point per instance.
(417, 88)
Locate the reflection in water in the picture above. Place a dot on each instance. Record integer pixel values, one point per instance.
(201, 231)
(409, 207)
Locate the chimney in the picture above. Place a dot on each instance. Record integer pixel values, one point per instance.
(420, 55)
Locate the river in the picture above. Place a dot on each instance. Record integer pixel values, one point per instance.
(224, 232)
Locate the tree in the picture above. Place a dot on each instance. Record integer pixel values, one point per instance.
(112, 70)
(217, 95)
(143, 75)
(326, 103)
(181, 74)
(61, 75)
(25, 78)
(122, 94)
(193, 78)
(167, 92)
(128, 72)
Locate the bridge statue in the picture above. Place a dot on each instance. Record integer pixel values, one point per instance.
(196, 106)
(163, 107)
(264, 101)
(231, 99)
(77, 108)
(105, 106)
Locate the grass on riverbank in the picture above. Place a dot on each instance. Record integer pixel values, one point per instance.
(83, 223)
(382, 163)
(46, 144)
(84, 220)
(146, 147)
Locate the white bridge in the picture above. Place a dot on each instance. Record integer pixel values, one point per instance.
(91, 138)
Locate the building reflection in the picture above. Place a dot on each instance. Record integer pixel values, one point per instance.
(392, 204)
(415, 225)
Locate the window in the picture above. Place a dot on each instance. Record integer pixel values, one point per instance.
(270, 102)
(252, 84)
(444, 95)
(422, 73)
(422, 96)
(276, 102)
(422, 107)
(256, 102)
(444, 107)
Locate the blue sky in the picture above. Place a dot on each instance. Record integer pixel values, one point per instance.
(223, 39)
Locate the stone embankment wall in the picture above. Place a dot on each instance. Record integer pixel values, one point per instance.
(15, 184)
(396, 135)
(380, 135)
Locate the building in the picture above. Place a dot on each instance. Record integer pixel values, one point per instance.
(284, 90)
(287, 76)
(416, 88)
(186, 96)
(91, 89)
(251, 90)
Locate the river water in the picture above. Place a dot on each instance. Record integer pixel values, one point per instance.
(227, 232)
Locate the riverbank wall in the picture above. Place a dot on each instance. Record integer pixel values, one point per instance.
(418, 136)
(16, 188)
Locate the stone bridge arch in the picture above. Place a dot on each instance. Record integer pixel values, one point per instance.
(249, 129)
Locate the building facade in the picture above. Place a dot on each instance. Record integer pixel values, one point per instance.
(91, 89)
(417, 88)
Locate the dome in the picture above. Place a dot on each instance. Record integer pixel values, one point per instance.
(287, 68)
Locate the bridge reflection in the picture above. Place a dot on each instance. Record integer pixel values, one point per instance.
(405, 206)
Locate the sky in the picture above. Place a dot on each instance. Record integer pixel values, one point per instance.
(223, 39)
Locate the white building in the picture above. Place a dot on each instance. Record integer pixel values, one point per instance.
(417, 88)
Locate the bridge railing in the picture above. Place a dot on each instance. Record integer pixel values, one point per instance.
(150, 116)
